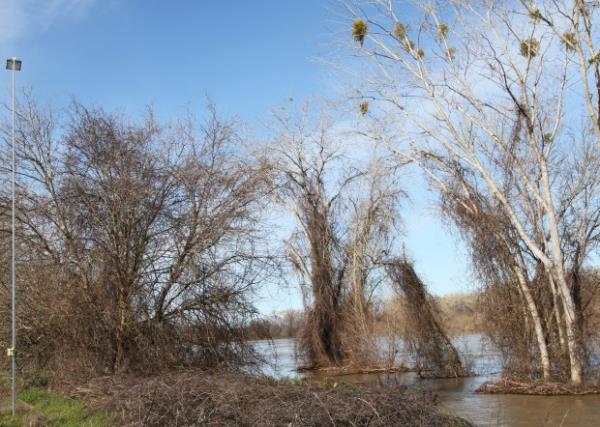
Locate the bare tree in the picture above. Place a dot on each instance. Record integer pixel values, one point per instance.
(345, 217)
(482, 91)
(304, 157)
(370, 238)
(148, 233)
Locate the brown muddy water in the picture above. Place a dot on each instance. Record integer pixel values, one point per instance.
(457, 396)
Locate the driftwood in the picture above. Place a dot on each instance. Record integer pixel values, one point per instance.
(355, 370)
(539, 388)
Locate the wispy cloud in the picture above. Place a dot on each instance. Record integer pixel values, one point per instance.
(19, 18)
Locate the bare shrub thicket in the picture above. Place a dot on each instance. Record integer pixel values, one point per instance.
(481, 95)
(424, 335)
(136, 241)
(345, 217)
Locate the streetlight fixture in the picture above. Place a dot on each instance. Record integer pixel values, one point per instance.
(14, 65)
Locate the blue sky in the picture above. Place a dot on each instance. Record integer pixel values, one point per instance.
(248, 56)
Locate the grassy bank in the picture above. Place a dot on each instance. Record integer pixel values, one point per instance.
(37, 407)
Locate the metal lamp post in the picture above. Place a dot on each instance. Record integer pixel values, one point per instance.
(14, 65)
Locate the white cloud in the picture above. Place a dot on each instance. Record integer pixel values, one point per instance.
(19, 18)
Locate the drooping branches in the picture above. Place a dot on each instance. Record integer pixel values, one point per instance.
(424, 335)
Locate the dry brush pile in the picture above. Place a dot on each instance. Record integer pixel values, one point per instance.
(194, 398)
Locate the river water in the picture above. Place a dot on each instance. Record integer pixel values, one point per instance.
(457, 396)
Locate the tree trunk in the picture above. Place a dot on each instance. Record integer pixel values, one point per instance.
(120, 360)
(558, 317)
(537, 325)
(570, 319)
(558, 271)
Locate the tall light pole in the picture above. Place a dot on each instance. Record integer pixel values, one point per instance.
(14, 65)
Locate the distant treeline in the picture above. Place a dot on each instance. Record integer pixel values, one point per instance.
(459, 313)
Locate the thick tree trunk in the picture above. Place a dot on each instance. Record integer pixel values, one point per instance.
(558, 271)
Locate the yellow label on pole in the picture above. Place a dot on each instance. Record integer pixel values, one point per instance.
(10, 352)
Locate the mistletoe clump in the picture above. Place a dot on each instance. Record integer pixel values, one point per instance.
(359, 31)
(364, 107)
(535, 14)
(569, 40)
(400, 30)
(530, 48)
(443, 30)
(451, 53)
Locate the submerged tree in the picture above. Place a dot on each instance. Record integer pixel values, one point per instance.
(299, 169)
(370, 235)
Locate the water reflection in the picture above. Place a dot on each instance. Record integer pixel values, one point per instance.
(457, 396)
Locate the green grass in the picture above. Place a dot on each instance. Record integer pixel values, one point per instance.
(52, 410)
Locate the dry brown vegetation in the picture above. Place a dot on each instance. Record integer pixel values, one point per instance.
(459, 313)
(138, 251)
(283, 325)
(222, 399)
(538, 388)
(140, 243)
(424, 335)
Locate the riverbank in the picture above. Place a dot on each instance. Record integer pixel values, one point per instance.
(37, 407)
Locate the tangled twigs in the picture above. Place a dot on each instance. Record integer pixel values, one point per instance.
(195, 397)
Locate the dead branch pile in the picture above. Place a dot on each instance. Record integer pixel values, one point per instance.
(194, 398)
(425, 337)
(538, 388)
